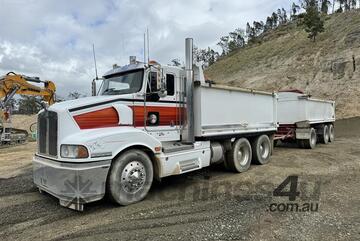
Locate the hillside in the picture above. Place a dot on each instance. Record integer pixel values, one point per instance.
(286, 58)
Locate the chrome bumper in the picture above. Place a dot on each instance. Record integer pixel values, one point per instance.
(74, 184)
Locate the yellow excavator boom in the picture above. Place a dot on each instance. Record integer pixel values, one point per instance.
(12, 83)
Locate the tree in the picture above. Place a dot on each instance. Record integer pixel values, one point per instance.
(325, 6)
(346, 5)
(176, 62)
(313, 22)
(280, 16)
(250, 33)
(294, 8)
(353, 4)
(284, 15)
(275, 19)
(269, 24)
(236, 39)
(29, 105)
(206, 56)
(224, 45)
(75, 95)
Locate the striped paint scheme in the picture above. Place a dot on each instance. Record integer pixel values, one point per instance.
(108, 117)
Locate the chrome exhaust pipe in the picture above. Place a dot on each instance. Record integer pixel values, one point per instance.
(188, 135)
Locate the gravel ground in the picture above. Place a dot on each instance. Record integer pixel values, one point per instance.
(210, 204)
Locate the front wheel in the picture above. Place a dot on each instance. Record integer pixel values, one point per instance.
(130, 177)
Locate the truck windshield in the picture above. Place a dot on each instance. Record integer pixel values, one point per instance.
(123, 83)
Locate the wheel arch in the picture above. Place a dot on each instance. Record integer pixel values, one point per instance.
(149, 152)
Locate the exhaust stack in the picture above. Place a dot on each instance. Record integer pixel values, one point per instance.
(188, 129)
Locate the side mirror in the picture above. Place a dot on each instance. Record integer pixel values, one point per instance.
(158, 83)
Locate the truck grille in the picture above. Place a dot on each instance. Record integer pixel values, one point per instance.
(47, 133)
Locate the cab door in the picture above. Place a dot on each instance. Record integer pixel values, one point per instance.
(162, 110)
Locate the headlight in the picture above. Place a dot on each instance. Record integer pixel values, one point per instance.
(73, 151)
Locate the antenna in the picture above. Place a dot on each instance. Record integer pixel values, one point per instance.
(144, 48)
(148, 45)
(96, 73)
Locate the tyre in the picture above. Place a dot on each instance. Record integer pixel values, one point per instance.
(130, 177)
(238, 159)
(276, 143)
(331, 133)
(261, 149)
(311, 143)
(324, 134)
(300, 143)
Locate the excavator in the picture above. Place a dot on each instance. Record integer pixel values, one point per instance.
(10, 85)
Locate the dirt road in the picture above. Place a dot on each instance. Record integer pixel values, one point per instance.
(210, 204)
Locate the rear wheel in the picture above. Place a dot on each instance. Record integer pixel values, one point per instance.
(331, 133)
(300, 143)
(130, 178)
(324, 134)
(311, 143)
(261, 149)
(238, 159)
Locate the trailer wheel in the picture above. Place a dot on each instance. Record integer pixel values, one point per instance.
(331, 133)
(261, 149)
(130, 178)
(311, 143)
(300, 143)
(324, 134)
(238, 159)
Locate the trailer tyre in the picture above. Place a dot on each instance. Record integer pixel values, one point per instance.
(324, 134)
(300, 143)
(261, 149)
(331, 133)
(311, 143)
(238, 159)
(130, 177)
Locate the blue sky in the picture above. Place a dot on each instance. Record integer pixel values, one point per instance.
(53, 39)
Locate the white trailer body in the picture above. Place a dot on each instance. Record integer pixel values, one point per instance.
(304, 119)
(222, 110)
(296, 107)
(137, 130)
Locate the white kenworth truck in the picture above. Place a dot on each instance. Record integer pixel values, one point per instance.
(149, 121)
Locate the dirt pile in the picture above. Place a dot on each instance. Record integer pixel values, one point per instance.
(328, 68)
(23, 121)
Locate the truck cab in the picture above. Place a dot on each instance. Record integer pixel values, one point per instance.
(154, 93)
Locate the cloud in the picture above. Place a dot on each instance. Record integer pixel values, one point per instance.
(53, 39)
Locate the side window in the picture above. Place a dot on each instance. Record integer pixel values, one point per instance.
(170, 84)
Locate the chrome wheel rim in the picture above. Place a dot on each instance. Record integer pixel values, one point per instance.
(133, 177)
(264, 149)
(326, 134)
(332, 133)
(243, 155)
(313, 138)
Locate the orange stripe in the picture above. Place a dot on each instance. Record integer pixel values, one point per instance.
(167, 115)
(97, 119)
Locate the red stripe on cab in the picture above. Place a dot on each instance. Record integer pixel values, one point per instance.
(107, 117)
(167, 115)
